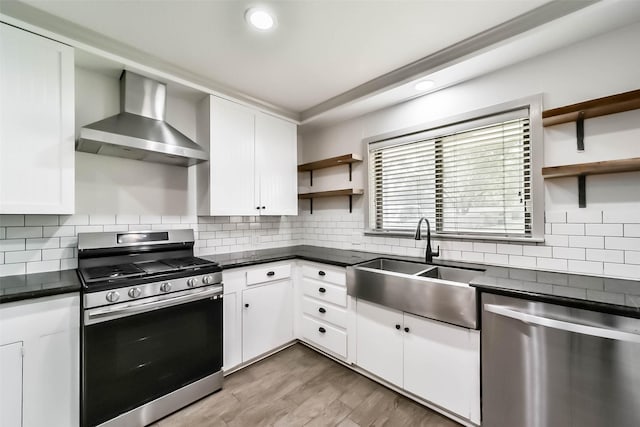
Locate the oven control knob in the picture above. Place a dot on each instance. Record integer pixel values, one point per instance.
(192, 282)
(113, 296)
(165, 287)
(207, 280)
(134, 292)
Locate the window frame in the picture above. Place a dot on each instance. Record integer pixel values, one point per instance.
(459, 123)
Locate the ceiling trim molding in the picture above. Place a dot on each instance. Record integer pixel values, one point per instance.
(518, 25)
(82, 38)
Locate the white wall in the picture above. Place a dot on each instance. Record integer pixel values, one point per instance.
(111, 185)
(603, 239)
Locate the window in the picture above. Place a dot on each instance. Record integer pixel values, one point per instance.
(473, 177)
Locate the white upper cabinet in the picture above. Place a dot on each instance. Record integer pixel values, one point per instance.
(36, 124)
(252, 167)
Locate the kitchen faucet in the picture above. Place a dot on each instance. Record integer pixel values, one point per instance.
(428, 256)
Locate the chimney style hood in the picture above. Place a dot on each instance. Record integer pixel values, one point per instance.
(139, 132)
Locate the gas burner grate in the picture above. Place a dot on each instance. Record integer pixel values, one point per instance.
(93, 274)
(187, 262)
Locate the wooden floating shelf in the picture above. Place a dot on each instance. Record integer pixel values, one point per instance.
(595, 168)
(327, 163)
(332, 193)
(594, 108)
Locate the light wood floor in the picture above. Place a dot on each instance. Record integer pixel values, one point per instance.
(299, 387)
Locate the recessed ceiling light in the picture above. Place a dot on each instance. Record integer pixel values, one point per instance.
(260, 19)
(424, 85)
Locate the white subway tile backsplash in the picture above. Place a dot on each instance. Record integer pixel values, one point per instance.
(604, 255)
(45, 243)
(150, 219)
(3, 233)
(68, 242)
(58, 253)
(170, 219)
(127, 219)
(102, 219)
(625, 243)
(22, 256)
(472, 256)
(556, 240)
(568, 229)
(603, 229)
(595, 242)
(74, 219)
(587, 267)
(484, 247)
(139, 227)
(12, 269)
(537, 251)
(584, 216)
(502, 248)
(23, 232)
(1, 257)
(569, 253)
(12, 245)
(499, 259)
(555, 216)
(116, 227)
(189, 219)
(30, 220)
(522, 261)
(68, 263)
(11, 220)
(627, 216)
(632, 257)
(62, 231)
(89, 229)
(42, 266)
(632, 230)
(552, 264)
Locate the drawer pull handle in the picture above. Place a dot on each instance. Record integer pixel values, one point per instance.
(322, 310)
(321, 273)
(322, 290)
(322, 330)
(398, 327)
(271, 273)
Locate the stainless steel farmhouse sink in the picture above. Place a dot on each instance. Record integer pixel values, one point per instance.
(438, 292)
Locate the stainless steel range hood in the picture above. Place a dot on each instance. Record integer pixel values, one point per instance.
(139, 132)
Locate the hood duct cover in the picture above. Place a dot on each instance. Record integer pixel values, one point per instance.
(139, 132)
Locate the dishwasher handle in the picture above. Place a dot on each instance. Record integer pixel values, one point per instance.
(577, 328)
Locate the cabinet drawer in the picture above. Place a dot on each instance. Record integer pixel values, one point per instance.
(324, 274)
(325, 292)
(324, 312)
(325, 336)
(268, 274)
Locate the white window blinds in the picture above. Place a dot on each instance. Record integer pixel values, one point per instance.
(468, 178)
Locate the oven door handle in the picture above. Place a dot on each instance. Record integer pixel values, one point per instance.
(102, 315)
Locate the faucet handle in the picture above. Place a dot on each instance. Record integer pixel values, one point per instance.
(437, 252)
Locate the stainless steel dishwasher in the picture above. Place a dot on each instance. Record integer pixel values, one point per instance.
(546, 365)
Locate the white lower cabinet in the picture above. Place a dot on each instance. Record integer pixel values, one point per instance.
(257, 310)
(379, 341)
(267, 318)
(435, 361)
(40, 362)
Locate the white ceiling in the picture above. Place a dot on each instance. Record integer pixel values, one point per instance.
(319, 50)
(327, 60)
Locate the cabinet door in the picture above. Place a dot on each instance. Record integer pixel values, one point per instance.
(232, 338)
(441, 364)
(267, 318)
(379, 341)
(11, 384)
(276, 159)
(36, 124)
(232, 165)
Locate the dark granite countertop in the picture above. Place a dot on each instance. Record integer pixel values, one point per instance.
(36, 285)
(610, 295)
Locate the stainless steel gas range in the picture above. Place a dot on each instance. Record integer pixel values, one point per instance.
(152, 326)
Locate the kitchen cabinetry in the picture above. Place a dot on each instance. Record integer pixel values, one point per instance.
(36, 124)
(252, 166)
(323, 307)
(435, 361)
(258, 311)
(39, 362)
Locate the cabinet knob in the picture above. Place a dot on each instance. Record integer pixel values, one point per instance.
(246, 305)
(322, 310)
(258, 207)
(271, 273)
(322, 290)
(398, 327)
(322, 330)
(263, 207)
(321, 273)
(406, 329)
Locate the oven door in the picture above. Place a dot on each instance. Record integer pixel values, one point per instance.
(133, 355)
